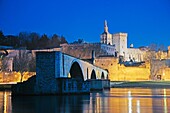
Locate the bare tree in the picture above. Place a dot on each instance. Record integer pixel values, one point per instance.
(4, 64)
(149, 55)
(153, 56)
(3, 67)
(156, 66)
(21, 62)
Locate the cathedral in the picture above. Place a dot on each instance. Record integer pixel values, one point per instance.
(119, 40)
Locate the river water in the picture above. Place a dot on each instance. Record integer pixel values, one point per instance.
(115, 100)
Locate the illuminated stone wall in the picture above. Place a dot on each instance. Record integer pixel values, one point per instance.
(14, 76)
(119, 72)
(163, 54)
(84, 50)
(134, 54)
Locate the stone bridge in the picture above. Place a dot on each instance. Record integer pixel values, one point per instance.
(59, 65)
(53, 73)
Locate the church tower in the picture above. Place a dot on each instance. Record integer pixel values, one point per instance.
(106, 37)
(120, 42)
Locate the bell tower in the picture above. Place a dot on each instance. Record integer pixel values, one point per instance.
(105, 27)
(106, 37)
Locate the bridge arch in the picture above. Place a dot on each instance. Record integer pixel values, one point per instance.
(93, 74)
(76, 71)
(102, 75)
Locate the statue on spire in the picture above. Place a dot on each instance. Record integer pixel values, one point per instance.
(105, 27)
(106, 37)
(105, 23)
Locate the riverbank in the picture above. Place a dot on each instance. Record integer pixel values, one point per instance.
(142, 84)
(5, 87)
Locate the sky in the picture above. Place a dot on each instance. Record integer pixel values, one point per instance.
(146, 21)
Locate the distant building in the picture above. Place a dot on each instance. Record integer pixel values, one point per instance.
(119, 40)
(106, 37)
(163, 54)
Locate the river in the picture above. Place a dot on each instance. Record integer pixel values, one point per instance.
(115, 100)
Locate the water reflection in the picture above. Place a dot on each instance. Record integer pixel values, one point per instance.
(5, 102)
(50, 104)
(117, 100)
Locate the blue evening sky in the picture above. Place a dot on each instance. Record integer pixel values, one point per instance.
(145, 21)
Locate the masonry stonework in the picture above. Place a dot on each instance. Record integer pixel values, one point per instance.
(119, 72)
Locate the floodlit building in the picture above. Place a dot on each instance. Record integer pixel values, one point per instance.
(106, 37)
(119, 40)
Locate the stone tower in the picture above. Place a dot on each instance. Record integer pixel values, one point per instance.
(106, 37)
(120, 42)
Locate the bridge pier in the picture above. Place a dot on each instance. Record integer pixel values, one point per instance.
(99, 84)
(62, 86)
(76, 86)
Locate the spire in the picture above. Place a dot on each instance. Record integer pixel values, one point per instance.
(105, 23)
(105, 27)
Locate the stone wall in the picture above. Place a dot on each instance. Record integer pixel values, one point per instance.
(84, 50)
(62, 86)
(68, 85)
(99, 84)
(15, 76)
(162, 69)
(119, 72)
(45, 72)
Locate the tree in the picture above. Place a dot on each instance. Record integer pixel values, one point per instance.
(4, 67)
(63, 40)
(2, 38)
(3, 64)
(34, 37)
(12, 41)
(79, 41)
(1, 34)
(21, 62)
(153, 56)
(32, 64)
(43, 41)
(55, 41)
(23, 39)
(156, 66)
